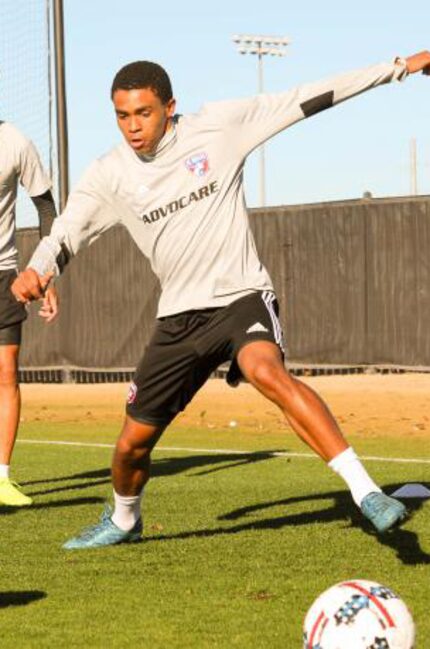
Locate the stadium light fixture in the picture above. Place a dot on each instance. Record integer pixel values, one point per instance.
(261, 46)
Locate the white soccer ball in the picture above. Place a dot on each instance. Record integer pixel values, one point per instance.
(358, 614)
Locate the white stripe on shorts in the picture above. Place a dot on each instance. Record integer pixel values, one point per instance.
(268, 298)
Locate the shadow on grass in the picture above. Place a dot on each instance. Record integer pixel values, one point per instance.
(175, 465)
(51, 505)
(91, 475)
(160, 468)
(20, 598)
(404, 542)
(72, 487)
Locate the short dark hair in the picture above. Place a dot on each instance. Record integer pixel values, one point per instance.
(144, 74)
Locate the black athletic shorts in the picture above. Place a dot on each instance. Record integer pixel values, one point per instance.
(186, 348)
(12, 313)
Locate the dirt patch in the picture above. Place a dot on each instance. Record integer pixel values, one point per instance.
(393, 404)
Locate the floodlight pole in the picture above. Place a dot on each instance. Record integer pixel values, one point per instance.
(61, 106)
(261, 46)
(262, 154)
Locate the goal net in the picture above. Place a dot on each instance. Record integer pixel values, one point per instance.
(25, 94)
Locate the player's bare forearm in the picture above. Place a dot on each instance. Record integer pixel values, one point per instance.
(419, 62)
(29, 285)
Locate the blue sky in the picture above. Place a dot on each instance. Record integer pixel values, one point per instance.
(361, 145)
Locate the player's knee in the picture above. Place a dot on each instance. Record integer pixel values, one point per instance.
(128, 447)
(264, 375)
(276, 383)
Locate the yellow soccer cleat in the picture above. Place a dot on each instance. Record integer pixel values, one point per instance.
(11, 496)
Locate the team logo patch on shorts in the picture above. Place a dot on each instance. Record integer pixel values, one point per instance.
(198, 164)
(132, 393)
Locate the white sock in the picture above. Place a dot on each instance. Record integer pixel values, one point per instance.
(127, 510)
(349, 467)
(4, 470)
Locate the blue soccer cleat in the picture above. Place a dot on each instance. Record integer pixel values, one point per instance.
(104, 533)
(383, 511)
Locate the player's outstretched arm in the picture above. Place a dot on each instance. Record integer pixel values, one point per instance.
(270, 114)
(419, 63)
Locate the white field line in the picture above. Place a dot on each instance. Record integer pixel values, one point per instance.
(225, 451)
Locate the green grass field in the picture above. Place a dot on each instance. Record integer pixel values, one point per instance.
(236, 547)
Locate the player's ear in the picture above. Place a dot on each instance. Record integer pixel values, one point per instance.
(171, 107)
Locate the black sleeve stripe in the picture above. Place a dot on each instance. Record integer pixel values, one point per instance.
(317, 104)
(63, 258)
(45, 207)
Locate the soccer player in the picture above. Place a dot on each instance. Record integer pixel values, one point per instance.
(19, 162)
(176, 184)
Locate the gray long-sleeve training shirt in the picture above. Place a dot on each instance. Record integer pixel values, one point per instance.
(185, 207)
(19, 163)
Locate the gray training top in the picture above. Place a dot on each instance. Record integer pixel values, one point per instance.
(185, 207)
(19, 162)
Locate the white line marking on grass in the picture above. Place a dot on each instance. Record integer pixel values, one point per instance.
(61, 443)
(224, 451)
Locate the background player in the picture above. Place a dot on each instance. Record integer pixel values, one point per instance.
(19, 162)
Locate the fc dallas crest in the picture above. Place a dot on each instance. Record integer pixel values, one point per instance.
(198, 164)
(132, 393)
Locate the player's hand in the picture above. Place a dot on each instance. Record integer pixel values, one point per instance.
(30, 286)
(50, 302)
(419, 63)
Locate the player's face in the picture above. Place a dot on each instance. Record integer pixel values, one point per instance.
(142, 118)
